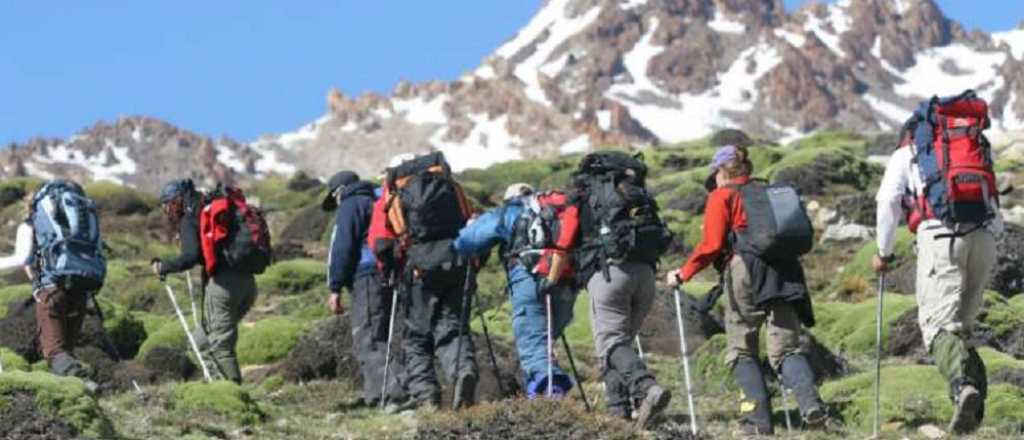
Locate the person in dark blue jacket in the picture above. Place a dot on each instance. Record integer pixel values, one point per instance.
(353, 266)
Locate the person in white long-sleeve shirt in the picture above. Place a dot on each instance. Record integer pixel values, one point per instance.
(951, 278)
(23, 244)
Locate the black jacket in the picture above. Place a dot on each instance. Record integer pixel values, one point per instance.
(780, 281)
(188, 231)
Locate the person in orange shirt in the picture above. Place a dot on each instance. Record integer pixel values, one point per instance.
(749, 306)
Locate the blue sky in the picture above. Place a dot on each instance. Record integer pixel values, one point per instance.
(254, 67)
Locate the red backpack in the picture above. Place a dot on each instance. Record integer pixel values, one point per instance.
(233, 233)
(955, 161)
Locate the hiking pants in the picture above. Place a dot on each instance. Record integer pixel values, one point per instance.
(433, 318)
(370, 313)
(59, 316)
(228, 296)
(950, 291)
(618, 308)
(743, 320)
(530, 328)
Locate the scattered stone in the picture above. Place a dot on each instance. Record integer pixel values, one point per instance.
(931, 432)
(848, 232)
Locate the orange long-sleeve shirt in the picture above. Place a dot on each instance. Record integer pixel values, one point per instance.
(719, 219)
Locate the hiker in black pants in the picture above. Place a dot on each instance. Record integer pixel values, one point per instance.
(412, 229)
(352, 266)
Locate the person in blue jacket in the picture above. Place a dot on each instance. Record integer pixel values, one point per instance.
(528, 283)
(352, 266)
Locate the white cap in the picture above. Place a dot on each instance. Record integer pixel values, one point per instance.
(517, 190)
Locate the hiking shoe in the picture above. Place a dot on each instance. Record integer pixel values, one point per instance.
(816, 417)
(965, 415)
(748, 429)
(654, 403)
(465, 391)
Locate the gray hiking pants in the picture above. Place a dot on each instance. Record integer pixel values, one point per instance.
(228, 296)
(370, 315)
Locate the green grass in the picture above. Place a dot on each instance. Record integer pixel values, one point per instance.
(224, 398)
(169, 334)
(13, 293)
(850, 328)
(11, 361)
(62, 397)
(292, 277)
(857, 277)
(267, 340)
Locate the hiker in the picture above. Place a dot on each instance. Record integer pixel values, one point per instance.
(23, 243)
(352, 266)
(764, 284)
(412, 228)
(228, 283)
(953, 210)
(621, 239)
(62, 287)
(536, 232)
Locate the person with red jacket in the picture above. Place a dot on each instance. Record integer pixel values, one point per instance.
(535, 257)
(743, 281)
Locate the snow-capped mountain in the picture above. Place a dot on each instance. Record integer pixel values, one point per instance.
(587, 73)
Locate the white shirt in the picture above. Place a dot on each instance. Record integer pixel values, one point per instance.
(903, 179)
(22, 249)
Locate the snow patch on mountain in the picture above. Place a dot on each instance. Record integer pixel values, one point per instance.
(489, 142)
(112, 164)
(604, 119)
(546, 32)
(832, 27)
(579, 144)
(793, 38)
(229, 158)
(421, 111)
(1011, 119)
(1014, 39)
(894, 113)
(723, 24)
(950, 70)
(630, 4)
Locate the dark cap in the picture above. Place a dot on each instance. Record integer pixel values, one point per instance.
(342, 178)
(175, 189)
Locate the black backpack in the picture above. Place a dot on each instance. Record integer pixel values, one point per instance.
(425, 203)
(778, 227)
(619, 219)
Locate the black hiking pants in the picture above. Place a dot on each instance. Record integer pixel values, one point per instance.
(433, 318)
(370, 314)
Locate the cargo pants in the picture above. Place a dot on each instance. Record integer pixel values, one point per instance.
(227, 298)
(951, 283)
(744, 318)
(59, 316)
(370, 314)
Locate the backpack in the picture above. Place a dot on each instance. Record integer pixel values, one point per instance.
(233, 233)
(955, 161)
(425, 203)
(536, 228)
(618, 217)
(68, 246)
(781, 228)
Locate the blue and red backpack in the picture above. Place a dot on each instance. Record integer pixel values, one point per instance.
(955, 161)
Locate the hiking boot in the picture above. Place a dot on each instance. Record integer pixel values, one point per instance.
(965, 415)
(755, 401)
(465, 391)
(653, 404)
(749, 429)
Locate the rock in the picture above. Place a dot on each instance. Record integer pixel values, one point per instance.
(841, 233)
(660, 330)
(325, 352)
(826, 364)
(1014, 215)
(39, 405)
(302, 182)
(731, 137)
(905, 338)
(931, 431)
(857, 208)
(1008, 274)
(21, 418)
(825, 217)
(309, 224)
(1012, 376)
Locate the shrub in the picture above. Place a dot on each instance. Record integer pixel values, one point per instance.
(267, 340)
(115, 199)
(63, 397)
(850, 328)
(292, 277)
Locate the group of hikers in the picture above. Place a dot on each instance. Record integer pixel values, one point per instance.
(413, 242)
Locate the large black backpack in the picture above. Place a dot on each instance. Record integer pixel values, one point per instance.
(778, 227)
(619, 219)
(425, 203)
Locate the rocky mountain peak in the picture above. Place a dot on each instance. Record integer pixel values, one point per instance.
(586, 73)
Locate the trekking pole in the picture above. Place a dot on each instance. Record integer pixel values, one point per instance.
(490, 351)
(576, 374)
(391, 334)
(686, 363)
(551, 347)
(191, 340)
(639, 348)
(785, 405)
(878, 355)
(463, 324)
(192, 298)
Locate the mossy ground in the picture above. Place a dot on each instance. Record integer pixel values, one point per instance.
(292, 296)
(61, 397)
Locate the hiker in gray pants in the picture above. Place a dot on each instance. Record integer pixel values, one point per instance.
(228, 293)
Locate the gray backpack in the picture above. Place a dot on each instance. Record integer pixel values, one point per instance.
(778, 227)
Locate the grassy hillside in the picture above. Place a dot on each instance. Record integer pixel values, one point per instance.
(170, 403)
